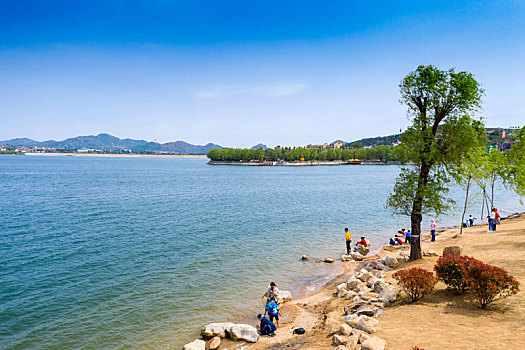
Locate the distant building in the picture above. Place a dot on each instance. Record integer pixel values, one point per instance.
(335, 145)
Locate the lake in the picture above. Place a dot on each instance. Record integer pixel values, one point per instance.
(139, 253)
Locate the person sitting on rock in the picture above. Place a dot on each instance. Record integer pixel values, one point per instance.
(266, 327)
(399, 241)
(392, 241)
(272, 309)
(363, 246)
(272, 292)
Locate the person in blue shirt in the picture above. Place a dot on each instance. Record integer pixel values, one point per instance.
(272, 310)
(266, 327)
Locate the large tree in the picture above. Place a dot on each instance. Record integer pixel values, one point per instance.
(441, 134)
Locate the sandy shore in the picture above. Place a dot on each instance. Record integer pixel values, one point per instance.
(107, 155)
(438, 321)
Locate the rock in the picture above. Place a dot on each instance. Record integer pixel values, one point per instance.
(345, 329)
(304, 257)
(373, 343)
(350, 295)
(352, 341)
(339, 340)
(340, 286)
(363, 337)
(213, 343)
(197, 344)
(347, 257)
(390, 261)
(352, 283)
(377, 312)
(379, 286)
(283, 297)
(328, 260)
(365, 311)
(349, 318)
(364, 276)
(429, 253)
(368, 266)
(332, 331)
(366, 324)
(357, 256)
(453, 250)
(388, 293)
(341, 347)
(404, 253)
(243, 332)
(371, 281)
(352, 322)
(342, 293)
(216, 329)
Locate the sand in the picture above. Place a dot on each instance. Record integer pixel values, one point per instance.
(441, 320)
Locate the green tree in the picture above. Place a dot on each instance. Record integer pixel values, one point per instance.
(516, 161)
(437, 102)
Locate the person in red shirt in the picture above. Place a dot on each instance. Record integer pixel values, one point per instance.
(362, 242)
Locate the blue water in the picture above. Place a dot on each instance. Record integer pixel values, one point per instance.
(139, 253)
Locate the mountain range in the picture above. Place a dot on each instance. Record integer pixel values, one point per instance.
(109, 143)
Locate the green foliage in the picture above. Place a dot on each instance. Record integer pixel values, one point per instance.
(487, 282)
(416, 282)
(437, 142)
(516, 164)
(381, 153)
(452, 270)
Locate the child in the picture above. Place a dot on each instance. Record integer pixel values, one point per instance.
(433, 230)
(407, 236)
(272, 309)
(272, 292)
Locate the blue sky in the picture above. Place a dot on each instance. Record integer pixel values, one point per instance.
(242, 72)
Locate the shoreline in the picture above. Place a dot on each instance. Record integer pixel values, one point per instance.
(318, 310)
(111, 155)
(304, 163)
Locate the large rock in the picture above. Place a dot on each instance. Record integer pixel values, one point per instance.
(342, 293)
(216, 330)
(453, 250)
(213, 344)
(379, 285)
(364, 276)
(283, 297)
(340, 286)
(366, 324)
(352, 283)
(197, 344)
(352, 341)
(357, 256)
(373, 343)
(346, 257)
(352, 321)
(388, 293)
(350, 295)
(390, 261)
(345, 329)
(371, 281)
(244, 332)
(363, 337)
(339, 340)
(328, 260)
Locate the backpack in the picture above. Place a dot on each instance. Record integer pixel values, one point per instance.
(299, 331)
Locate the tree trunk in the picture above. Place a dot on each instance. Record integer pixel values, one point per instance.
(465, 206)
(492, 189)
(415, 240)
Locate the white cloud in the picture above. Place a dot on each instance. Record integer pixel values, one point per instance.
(256, 90)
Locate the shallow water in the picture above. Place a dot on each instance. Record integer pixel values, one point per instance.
(139, 252)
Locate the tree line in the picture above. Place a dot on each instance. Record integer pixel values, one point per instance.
(381, 153)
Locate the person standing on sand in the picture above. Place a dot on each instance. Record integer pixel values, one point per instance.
(272, 292)
(492, 217)
(407, 236)
(348, 237)
(433, 230)
(266, 327)
(272, 310)
(497, 219)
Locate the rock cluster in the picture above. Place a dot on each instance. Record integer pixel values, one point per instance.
(368, 294)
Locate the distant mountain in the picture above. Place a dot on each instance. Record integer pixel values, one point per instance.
(111, 143)
(260, 145)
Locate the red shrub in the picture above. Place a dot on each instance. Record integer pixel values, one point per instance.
(416, 282)
(416, 348)
(486, 282)
(452, 270)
